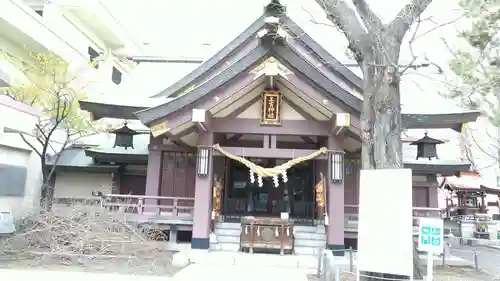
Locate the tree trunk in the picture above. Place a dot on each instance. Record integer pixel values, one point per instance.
(47, 192)
(381, 124)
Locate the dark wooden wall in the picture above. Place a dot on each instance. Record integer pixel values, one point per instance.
(421, 196)
(133, 184)
(178, 174)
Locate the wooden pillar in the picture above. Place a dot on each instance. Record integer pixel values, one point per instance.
(433, 191)
(153, 173)
(335, 195)
(203, 199)
(116, 179)
(483, 207)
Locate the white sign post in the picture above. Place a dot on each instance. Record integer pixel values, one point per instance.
(430, 240)
(373, 225)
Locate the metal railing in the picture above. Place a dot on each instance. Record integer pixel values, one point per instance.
(472, 260)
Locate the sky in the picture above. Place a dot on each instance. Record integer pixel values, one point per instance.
(204, 27)
(199, 28)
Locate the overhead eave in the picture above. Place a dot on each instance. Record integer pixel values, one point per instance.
(439, 121)
(106, 110)
(325, 57)
(109, 168)
(445, 169)
(112, 156)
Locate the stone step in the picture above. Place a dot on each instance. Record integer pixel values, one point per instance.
(310, 229)
(310, 235)
(309, 251)
(228, 231)
(227, 225)
(228, 239)
(309, 243)
(230, 247)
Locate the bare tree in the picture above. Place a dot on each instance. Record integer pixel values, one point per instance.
(51, 88)
(376, 48)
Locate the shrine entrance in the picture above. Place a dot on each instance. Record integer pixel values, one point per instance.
(244, 198)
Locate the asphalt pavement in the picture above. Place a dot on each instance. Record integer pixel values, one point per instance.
(488, 258)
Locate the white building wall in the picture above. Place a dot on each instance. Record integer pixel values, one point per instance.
(21, 206)
(79, 185)
(14, 151)
(54, 32)
(56, 22)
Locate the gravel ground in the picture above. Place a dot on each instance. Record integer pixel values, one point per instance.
(156, 264)
(440, 274)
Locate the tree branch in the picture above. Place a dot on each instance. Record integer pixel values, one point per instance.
(371, 20)
(30, 145)
(345, 19)
(409, 14)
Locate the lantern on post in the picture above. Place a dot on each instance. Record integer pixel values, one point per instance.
(203, 161)
(337, 166)
(124, 137)
(426, 147)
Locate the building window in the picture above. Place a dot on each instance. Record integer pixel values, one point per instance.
(93, 55)
(12, 180)
(116, 76)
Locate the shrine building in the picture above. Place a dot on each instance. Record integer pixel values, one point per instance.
(259, 145)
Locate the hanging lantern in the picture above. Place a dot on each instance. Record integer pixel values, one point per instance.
(124, 137)
(426, 147)
(203, 161)
(337, 166)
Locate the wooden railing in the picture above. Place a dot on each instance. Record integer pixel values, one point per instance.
(150, 206)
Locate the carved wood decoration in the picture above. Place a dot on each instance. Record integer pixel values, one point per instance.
(321, 198)
(216, 197)
(320, 193)
(271, 108)
(267, 233)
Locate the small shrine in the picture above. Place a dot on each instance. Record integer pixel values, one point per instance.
(466, 204)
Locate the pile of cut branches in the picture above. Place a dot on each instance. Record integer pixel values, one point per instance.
(81, 232)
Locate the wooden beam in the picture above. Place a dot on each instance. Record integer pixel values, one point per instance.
(340, 123)
(242, 108)
(177, 141)
(202, 119)
(307, 140)
(268, 152)
(234, 138)
(265, 141)
(274, 142)
(288, 127)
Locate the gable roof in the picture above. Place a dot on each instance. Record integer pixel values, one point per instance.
(214, 74)
(292, 28)
(287, 55)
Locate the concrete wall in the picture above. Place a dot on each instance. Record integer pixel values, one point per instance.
(21, 205)
(21, 27)
(15, 116)
(81, 184)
